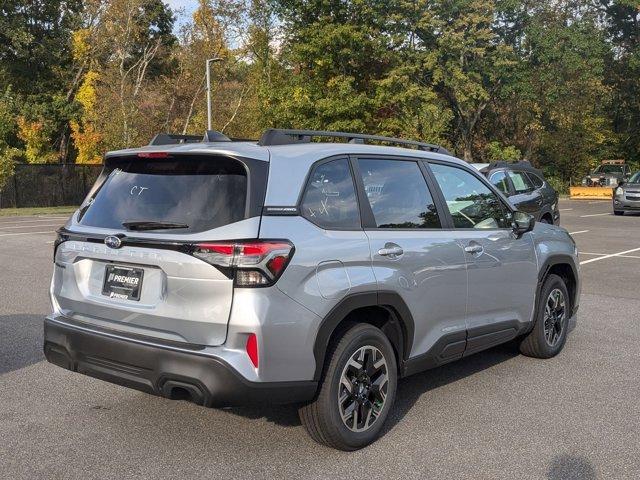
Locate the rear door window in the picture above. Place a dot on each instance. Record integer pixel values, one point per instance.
(521, 182)
(535, 179)
(193, 194)
(398, 194)
(330, 197)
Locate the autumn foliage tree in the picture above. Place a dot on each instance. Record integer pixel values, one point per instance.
(554, 81)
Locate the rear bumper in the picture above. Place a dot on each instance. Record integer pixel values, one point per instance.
(162, 370)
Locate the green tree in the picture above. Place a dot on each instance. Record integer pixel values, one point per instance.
(623, 74)
(351, 66)
(471, 63)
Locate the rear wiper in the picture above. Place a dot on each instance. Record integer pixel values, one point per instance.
(150, 225)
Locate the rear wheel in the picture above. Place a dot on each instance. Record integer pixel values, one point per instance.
(546, 220)
(549, 332)
(357, 390)
(618, 212)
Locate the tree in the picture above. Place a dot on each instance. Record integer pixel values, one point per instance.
(353, 66)
(471, 62)
(566, 62)
(131, 42)
(623, 73)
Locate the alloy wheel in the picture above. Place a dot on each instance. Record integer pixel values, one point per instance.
(555, 313)
(363, 388)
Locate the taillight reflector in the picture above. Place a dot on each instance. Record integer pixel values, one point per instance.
(252, 349)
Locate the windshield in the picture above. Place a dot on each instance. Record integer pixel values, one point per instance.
(608, 169)
(635, 178)
(184, 195)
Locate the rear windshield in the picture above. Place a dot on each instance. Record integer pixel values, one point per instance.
(191, 194)
(608, 169)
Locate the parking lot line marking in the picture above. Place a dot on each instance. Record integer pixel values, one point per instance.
(564, 209)
(603, 254)
(7, 220)
(25, 233)
(2, 227)
(600, 201)
(595, 215)
(579, 231)
(604, 257)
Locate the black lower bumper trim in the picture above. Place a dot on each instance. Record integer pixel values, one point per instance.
(206, 380)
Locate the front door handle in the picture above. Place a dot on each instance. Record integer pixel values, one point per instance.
(391, 250)
(474, 249)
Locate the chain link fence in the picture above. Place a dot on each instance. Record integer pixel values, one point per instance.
(48, 185)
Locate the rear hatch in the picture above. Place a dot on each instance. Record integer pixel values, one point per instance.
(125, 262)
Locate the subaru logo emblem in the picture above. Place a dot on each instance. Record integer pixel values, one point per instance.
(112, 241)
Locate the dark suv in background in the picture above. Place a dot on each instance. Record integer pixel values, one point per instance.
(525, 187)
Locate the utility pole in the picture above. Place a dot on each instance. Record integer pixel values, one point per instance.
(209, 62)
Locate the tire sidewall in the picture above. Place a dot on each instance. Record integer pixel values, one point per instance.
(358, 337)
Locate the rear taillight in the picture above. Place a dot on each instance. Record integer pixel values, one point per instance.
(253, 264)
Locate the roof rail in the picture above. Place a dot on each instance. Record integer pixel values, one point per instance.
(276, 136)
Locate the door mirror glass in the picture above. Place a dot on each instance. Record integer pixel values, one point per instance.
(523, 223)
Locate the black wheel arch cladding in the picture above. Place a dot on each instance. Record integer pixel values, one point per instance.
(398, 326)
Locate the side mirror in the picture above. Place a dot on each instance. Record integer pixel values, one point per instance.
(522, 223)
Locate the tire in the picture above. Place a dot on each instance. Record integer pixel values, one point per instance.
(547, 342)
(546, 220)
(323, 417)
(618, 212)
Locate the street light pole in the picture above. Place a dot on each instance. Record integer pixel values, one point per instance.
(209, 61)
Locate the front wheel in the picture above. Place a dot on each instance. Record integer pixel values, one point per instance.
(357, 390)
(618, 212)
(549, 332)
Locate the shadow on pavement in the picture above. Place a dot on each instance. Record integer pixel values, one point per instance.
(569, 467)
(409, 389)
(20, 341)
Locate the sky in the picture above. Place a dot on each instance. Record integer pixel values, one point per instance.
(183, 9)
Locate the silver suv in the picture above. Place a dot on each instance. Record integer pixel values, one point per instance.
(290, 271)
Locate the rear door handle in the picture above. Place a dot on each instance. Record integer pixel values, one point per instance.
(391, 251)
(474, 248)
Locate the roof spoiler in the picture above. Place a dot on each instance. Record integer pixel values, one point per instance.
(524, 164)
(176, 139)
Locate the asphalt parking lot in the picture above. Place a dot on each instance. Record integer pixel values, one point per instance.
(494, 415)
